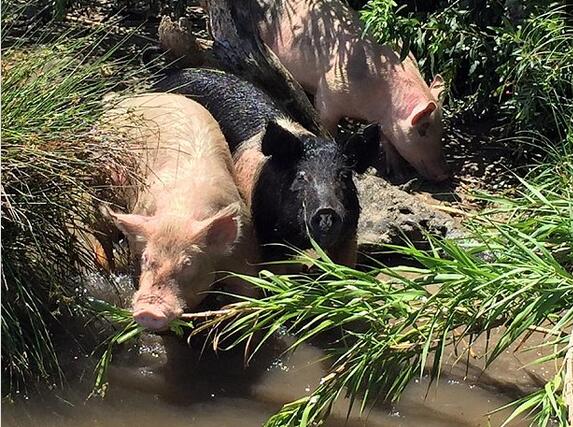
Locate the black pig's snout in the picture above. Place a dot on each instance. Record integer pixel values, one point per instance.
(324, 220)
(325, 226)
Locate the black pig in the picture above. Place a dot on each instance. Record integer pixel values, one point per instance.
(304, 185)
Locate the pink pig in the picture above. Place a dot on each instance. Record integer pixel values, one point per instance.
(188, 221)
(321, 43)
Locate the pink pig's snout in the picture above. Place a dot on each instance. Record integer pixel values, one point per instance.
(155, 307)
(152, 318)
(436, 170)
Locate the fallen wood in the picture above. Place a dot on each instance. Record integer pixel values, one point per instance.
(238, 48)
(182, 46)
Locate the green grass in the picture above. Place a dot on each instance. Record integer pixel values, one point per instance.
(401, 321)
(54, 169)
(516, 69)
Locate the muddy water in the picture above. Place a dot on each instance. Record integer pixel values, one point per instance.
(216, 391)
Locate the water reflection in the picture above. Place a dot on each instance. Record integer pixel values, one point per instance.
(206, 389)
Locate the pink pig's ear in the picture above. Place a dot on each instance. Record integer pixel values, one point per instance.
(224, 228)
(423, 111)
(437, 87)
(129, 224)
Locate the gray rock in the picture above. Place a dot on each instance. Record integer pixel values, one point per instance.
(392, 216)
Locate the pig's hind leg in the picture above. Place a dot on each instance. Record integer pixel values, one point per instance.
(325, 105)
(393, 163)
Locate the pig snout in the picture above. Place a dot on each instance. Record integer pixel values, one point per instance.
(151, 317)
(154, 312)
(325, 225)
(436, 171)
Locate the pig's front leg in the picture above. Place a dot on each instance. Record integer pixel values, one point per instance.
(394, 163)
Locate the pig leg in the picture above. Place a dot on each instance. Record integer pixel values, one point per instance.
(346, 253)
(324, 103)
(106, 245)
(102, 257)
(394, 164)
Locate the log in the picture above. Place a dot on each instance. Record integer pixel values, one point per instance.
(238, 48)
(182, 46)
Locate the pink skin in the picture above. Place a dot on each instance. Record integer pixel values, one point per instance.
(320, 42)
(178, 262)
(188, 221)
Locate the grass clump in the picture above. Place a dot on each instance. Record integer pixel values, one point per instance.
(403, 321)
(54, 169)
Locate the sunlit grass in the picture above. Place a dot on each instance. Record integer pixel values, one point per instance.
(54, 169)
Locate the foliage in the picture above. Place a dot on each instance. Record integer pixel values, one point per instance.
(53, 170)
(508, 58)
(127, 329)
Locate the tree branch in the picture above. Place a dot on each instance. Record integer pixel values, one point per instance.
(239, 49)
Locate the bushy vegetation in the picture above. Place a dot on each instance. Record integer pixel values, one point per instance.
(53, 171)
(511, 60)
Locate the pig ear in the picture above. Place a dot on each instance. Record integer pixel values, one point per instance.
(129, 224)
(224, 229)
(422, 111)
(437, 87)
(364, 149)
(280, 143)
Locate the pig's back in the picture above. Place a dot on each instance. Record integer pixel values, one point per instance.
(172, 131)
(310, 37)
(241, 109)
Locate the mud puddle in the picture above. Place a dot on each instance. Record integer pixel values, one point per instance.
(217, 391)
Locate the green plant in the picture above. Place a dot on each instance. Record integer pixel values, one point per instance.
(53, 172)
(536, 80)
(512, 60)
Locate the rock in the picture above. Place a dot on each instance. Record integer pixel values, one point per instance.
(392, 216)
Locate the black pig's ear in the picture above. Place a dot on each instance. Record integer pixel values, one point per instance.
(363, 149)
(280, 143)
